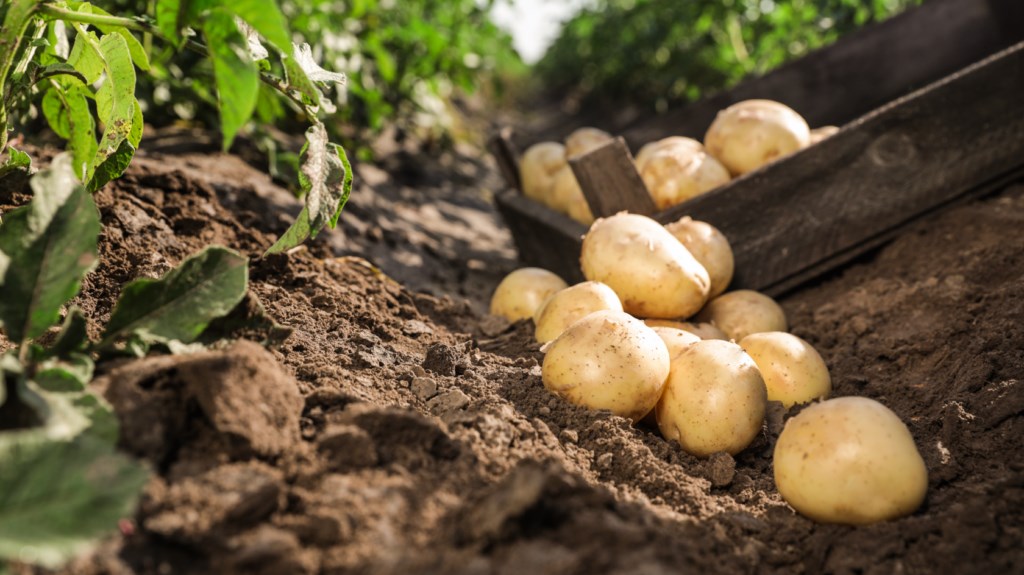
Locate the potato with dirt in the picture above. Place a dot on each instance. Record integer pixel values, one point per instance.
(792, 369)
(710, 247)
(522, 292)
(849, 460)
(743, 312)
(571, 305)
(714, 400)
(537, 170)
(701, 330)
(675, 339)
(567, 197)
(752, 133)
(608, 360)
(653, 274)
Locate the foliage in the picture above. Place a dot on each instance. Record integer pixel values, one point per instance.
(658, 54)
(80, 61)
(62, 482)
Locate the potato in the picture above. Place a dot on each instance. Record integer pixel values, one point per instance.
(676, 173)
(792, 369)
(570, 305)
(584, 140)
(650, 148)
(701, 330)
(608, 360)
(715, 399)
(653, 274)
(750, 134)
(523, 291)
(675, 339)
(537, 169)
(743, 312)
(710, 247)
(567, 197)
(849, 460)
(819, 134)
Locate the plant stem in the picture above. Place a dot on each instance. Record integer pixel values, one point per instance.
(93, 19)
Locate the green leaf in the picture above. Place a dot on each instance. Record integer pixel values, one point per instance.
(326, 179)
(115, 105)
(135, 47)
(85, 56)
(297, 79)
(58, 497)
(66, 108)
(65, 375)
(73, 335)
(168, 14)
(16, 161)
(266, 18)
(236, 74)
(182, 303)
(54, 70)
(49, 245)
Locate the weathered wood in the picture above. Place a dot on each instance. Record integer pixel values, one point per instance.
(544, 238)
(864, 69)
(507, 157)
(610, 181)
(824, 205)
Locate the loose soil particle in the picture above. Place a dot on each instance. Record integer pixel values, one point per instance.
(398, 432)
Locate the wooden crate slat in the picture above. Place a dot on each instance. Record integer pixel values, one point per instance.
(610, 181)
(543, 237)
(864, 69)
(798, 217)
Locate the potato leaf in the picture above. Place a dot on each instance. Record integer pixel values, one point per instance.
(49, 245)
(65, 375)
(236, 74)
(117, 163)
(66, 109)
(326, 179)
(168, 19)
(182, 303)
(58, 497)
(16, 161)
(266, 18)
(115, 106)
(313, 71)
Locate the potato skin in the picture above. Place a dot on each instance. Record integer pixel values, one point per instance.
(822, 133)
(752, 133)
(537, 170)
(715, 399)
(792, 369)
(571, 304)
(849, 460)
(521, 292)
(710, 247)
(676, 173)
(743, 312)
(583, 140)
(567, 197)
(701, 330)
(676, 340)
(648, 149)
(608, 360)
(653, 274)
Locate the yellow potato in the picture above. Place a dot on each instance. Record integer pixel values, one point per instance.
(650, 148)
(676, 173)
(743, 312)
(750, 134)
(849, 460)
(710, 247)
(608, 360)
(570, 305)
(792, 369)
(701, 330)
(537, 169)
(567, 197)
(523, 291)
(653, 274)
(715, 399)
(584, 140)
(819, 134)
(676, 340)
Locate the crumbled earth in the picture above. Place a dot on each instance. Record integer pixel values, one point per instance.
(399, 431)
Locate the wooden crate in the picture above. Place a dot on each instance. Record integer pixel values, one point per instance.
(898, 157)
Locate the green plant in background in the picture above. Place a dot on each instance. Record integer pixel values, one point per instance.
(657, 54)
(62, 481)
(80, 62)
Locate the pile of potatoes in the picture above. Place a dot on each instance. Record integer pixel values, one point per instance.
(654, 332)
(743, 137)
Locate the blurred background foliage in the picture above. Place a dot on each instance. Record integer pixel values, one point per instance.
(656, 54)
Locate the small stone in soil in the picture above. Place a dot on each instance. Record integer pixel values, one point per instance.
(448, 402)
(423, 387)
(721, 468)
(442, 359)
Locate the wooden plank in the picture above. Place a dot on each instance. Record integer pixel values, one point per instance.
(544, 238)
(610, 181)
(800, 216)
(507, 157)
(864, 69)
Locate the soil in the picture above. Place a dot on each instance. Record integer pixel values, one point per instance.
(397, 429)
